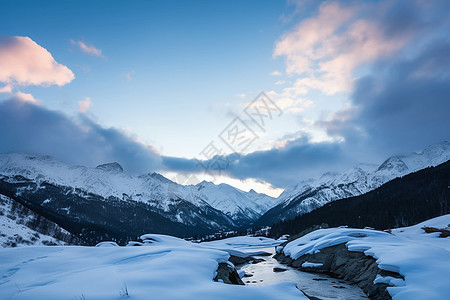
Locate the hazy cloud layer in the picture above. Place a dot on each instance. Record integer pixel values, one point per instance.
(285, 166)
(29, 128)
(405, 105)
(390, 59)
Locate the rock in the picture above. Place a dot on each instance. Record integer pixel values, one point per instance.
(444, 232)
(228, 274)
(309, 296)
(257, 260)
(351, 266)
(262, 253)
(278, 269)
(133, 243)
(248, 275)
(237, 260)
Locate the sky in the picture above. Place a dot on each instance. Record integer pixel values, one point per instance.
(256, 94)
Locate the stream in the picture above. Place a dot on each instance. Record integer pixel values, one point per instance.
(321, 286)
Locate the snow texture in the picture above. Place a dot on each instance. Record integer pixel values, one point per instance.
(15, 232)
(166, 268)
(243, 246)
(422, 259)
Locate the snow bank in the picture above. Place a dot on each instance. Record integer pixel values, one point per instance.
(167, 268)
(243, 246)
(107, 244)
(322, 238)
(423, 259)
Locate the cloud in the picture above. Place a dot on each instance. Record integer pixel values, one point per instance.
(389, 60)
(326, 50)
(290, 100)
(29, 128)
(402, 106)
(280, 82)
(20, 96)
(284, 166)
(25, 97)
(84, 105)
(89, 49)
(276, 73)
(7, 89)
(297, 160)
(392, 62)
(24, 62)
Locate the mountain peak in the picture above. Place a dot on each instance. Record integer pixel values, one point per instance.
(113, 167)
(393, 163)
(204, 183)
(436, 149)
(160, 177)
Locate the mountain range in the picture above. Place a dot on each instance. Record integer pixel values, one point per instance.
(401, 202)
(106, 202)
(112, 203)
(311, 194)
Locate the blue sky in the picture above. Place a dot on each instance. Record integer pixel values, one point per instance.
(154, 82)
(166, 65)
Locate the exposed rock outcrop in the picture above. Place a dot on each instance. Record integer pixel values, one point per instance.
(228, 274)
(238, 260)
(352, 266)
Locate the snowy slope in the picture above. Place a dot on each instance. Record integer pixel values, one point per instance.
(422, 259)
(21, 227)
(111, 180)
(314, 193)
(166, 268)
(244, 246)
(234, 202)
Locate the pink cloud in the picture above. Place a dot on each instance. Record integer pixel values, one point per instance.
(24, 62)
(89, 49)
(25, 97)
(327, 49)
(302, 45)
(276, 73)
(6, 89)
(84, 105)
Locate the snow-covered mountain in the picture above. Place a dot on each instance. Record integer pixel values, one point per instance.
(20, 226)
(106, 202)
(314, 193)
(240, 205)
(219, 206)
